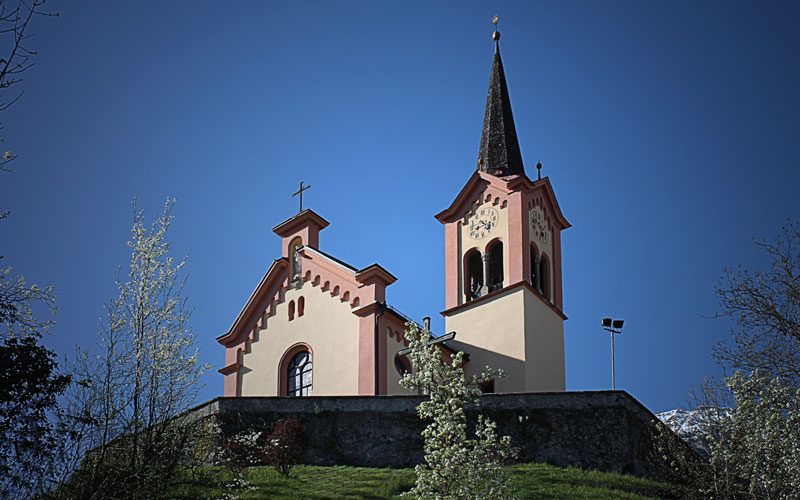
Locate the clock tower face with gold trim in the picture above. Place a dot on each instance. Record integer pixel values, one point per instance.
(502, 246)
(538, 226)
(482, 223)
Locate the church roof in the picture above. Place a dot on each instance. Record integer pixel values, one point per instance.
(499, 153)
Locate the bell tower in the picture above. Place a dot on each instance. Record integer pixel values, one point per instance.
(503, 259)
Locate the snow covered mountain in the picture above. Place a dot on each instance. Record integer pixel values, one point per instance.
(695, 426)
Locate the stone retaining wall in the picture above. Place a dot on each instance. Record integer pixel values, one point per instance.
(604, 430)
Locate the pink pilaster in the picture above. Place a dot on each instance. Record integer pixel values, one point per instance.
(516, 243)
(452, 265)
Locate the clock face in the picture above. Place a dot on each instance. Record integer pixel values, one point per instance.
(482, 223)
(538, 225)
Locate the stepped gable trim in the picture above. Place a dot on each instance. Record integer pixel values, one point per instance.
(503, 291)
(332, 258)
(278, 269)
(358, 287)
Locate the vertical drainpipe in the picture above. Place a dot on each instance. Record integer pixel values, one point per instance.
(381, 309)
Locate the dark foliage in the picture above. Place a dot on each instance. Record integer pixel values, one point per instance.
(166, 451)
(285, 445)
(29, 388)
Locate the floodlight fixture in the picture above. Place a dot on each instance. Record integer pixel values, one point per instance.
(613, 326)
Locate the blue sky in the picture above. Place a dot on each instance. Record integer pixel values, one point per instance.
(669, 132)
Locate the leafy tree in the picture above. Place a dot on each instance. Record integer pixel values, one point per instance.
(29, 387)
(455, 467)
(765, 306)
(128, 443)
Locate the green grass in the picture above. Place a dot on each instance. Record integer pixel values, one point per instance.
(530, 481)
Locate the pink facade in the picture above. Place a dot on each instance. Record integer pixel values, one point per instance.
(518, 195)
(363, 290)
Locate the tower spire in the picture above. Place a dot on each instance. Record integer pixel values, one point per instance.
(499, 151)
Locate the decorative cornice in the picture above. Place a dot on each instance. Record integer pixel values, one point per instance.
(305, 218)
(375, 273)
(503, 291)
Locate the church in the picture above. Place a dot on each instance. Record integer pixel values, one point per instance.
(316, 325)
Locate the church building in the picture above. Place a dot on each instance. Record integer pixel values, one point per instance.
(316, 325)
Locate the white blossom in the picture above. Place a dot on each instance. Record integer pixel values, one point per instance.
(456, 467)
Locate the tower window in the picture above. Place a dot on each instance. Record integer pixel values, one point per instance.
(474, 275)
(535, 268)
(301, 306)
(299, 375)
(402, 365)
(495, 252)
(544, 276)
(291, 310)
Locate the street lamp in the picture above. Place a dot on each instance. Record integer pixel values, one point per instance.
(613, 326)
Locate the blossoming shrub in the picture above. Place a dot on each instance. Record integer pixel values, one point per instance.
(455, 467)
(237, 454)
(754, 446)
(285, 445)
(760, 442)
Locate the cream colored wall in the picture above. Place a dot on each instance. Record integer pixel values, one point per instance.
(544, 346)
(327, 325)
(516, 332)
(466, 243)
(491, 332)
(392, 377)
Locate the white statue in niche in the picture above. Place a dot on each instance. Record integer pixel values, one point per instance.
(296, 264)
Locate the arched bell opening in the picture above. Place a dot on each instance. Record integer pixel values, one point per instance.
(494, 250)
(473, 274)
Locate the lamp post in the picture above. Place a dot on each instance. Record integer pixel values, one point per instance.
(613, 326)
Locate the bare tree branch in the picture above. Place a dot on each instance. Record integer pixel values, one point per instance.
(765, 305)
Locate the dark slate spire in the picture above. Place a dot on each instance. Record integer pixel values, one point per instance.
(499, 153)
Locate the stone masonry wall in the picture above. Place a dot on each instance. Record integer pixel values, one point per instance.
(604, 430)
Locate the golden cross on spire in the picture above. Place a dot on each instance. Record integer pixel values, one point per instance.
(300, 193)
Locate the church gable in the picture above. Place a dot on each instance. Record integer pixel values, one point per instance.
(260, 304)
(310, 312)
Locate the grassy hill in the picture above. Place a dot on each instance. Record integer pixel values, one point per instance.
(531, 481)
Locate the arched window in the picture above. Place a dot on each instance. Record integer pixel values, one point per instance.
(298, 375)
(495, 251)
(402, 365)
(291, 310)
(474, 274)
(544, 276)
(294, 259)
(301, 306)
(534, 267)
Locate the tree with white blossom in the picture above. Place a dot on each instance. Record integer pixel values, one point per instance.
(455, 468)
(144, 372)
(759, 446)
